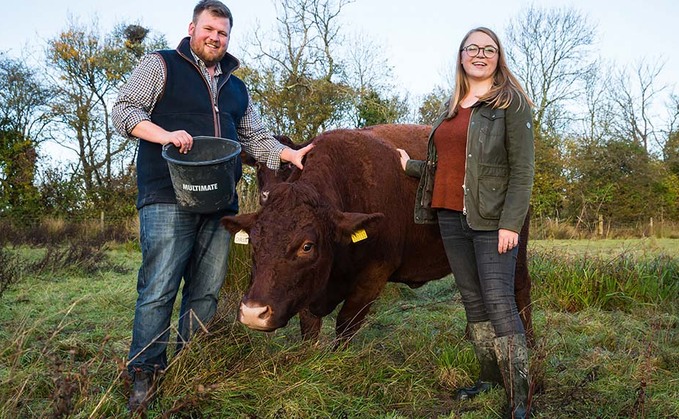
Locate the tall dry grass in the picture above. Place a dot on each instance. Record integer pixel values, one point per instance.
(555, 229)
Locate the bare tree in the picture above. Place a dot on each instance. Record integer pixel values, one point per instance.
(305, 79)
(23, 98)
(87, 69)
(671, 147)
(294, 76)
(598, 107)
(549, 49)
(673, 111)
(23, 107)
(368, 73)
(634, 97)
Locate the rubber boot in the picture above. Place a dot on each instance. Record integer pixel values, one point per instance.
(512, 357)
(482, 336)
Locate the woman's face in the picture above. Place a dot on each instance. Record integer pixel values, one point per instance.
(479, 56)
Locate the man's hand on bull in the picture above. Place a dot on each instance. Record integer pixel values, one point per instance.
(404, 157)
(295, 156)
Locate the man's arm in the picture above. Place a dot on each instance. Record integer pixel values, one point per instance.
(136, 100)
(260, 143)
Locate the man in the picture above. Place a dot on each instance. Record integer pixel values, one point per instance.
(170, 97)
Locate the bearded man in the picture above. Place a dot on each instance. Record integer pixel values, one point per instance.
(172, 96)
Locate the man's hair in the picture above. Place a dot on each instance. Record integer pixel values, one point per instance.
(215, 7)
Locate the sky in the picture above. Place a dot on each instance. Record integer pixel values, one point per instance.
(418, 38)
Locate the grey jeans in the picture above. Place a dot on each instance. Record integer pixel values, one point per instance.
(484, 277)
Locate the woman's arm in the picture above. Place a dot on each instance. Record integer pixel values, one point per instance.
(411, 167)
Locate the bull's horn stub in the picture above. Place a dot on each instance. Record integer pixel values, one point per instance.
(359, 235)
(241, 238)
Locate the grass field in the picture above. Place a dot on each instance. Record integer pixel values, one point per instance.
(606, 321)
(647, 247)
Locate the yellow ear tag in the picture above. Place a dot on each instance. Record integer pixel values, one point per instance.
(359, 235)
(241, 238)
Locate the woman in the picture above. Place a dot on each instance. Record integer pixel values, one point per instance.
(476, 182)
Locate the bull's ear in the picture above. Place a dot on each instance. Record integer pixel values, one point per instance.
(354, 226)
(236, 223)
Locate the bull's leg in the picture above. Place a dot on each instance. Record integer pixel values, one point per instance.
(522, 282)
(357, 305)
(523, 303)
(309, 325)
(350, 318)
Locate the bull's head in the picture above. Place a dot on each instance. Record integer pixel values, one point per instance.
(295, 238)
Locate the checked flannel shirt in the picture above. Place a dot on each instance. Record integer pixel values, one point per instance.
(138, 97)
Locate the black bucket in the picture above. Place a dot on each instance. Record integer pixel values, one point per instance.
(203, 178)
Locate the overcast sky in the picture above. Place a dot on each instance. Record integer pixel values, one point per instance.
(417, 37)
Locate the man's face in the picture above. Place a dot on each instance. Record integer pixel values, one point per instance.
(210, 37)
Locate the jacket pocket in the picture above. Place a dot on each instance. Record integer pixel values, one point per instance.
(492, 123)
(493, 181)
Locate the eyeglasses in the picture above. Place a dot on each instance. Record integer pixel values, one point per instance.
(474, 50)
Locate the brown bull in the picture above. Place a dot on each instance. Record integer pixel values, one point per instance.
(342, 228)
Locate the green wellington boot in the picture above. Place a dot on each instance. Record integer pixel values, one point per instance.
(482, 336)
(512, 357)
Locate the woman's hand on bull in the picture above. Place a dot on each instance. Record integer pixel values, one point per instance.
(507, 240)
(181, 139)
(296, 156)
(404, 157)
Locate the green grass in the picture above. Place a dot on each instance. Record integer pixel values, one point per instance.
(648, 247)
(607, 345)
(620, 282)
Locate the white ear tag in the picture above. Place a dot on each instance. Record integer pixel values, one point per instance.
(241, 237)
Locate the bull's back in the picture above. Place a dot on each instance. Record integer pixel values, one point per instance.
(420, 256)
(423, 257)
(411, 138)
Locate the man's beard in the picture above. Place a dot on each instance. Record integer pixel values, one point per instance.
(210, 59)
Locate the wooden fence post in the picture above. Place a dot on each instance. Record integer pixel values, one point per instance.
(600, 228)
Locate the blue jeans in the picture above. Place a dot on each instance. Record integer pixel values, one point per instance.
(484, 277)
(175, 244)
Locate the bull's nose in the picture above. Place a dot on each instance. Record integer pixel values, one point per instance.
(256, 317)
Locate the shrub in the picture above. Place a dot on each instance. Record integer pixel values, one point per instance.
(9, 270)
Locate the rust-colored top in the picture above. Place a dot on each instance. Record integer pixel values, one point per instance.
(450, 139)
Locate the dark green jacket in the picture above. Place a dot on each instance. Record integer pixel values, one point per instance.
(500, 167)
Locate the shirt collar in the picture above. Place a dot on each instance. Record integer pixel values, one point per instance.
(203, 67)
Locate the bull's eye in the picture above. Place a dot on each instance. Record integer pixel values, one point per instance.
(307, 247)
